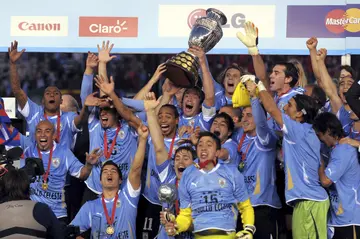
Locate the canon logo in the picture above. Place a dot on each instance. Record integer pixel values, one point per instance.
(108, 26)
(26, 26)
(39, 26)
(100, 28)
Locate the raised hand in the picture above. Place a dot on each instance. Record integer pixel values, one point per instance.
(92, 60)
(94, 156)
(251, 87)
(159, 71)
(92, 100)
(104, 52)
(143, 131)
(150, 102)
(104, 85)
(185, 130)
(199, 53)
(250, 39)
(321, 54)
(312, 43)
(169, 88)
(194, 137)
(14, 54)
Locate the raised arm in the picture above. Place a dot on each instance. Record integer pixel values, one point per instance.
(155, 78)
(92, 62)
(169, 90)
(207, 79)
(136, 167)
(327, 84)
(108, 88)
(104, 58)
(14, 56)
(311, 45)
(157, 138)
(250, 40)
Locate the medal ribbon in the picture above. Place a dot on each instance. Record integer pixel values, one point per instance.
(171, 146)
(107, 153)
(243, 155)
(57, 140)
(45, 176)
(109, 220)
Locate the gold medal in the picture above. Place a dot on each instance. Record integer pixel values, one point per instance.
(241, 166)
(45, 186)
(110, 230)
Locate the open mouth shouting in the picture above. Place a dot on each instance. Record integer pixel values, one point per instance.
(188, 107)
(165, 128)
(217, 133)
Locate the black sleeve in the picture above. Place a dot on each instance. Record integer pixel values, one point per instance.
(352, 98)
(46, 217)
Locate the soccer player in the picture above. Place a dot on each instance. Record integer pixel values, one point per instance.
(198, 106)
(223, 127)
(113, 135)
(149, 206)
(168, 171)
(341, 176)
(301, 148)
(57, 160)
(257, 148)
(66, 123)
(113, 215)
(209, 196)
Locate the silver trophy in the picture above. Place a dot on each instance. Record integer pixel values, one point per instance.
(183, 68)
(167, 194)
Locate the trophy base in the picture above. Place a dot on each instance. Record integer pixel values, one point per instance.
(182, 70)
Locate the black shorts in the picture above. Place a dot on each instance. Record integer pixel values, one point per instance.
(265, 222)
(349, 232)
(147, 220)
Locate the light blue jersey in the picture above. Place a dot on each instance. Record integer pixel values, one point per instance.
(301, 148)
(343, 170)
(152, 182)
(281, 101)
(203, 119)
(167, 175)
(122, 154)
(258, 154)
(92, 215)
(231, 147)
(220, 98)
(62, 162)
(212, 196)
(34, 113)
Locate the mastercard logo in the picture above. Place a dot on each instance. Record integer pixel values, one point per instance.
(337, 21)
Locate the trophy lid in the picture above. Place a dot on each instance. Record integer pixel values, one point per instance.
(217, 15)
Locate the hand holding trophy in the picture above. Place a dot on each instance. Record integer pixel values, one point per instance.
(167, 194)
(183, 68)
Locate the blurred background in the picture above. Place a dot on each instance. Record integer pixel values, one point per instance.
(131, 72)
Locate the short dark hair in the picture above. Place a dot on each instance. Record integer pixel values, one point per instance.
(221, 77)
(308, 106)
(350, 70)
(173, 108)
(195, 90)
(290, 71)
(318, 94)
(186, 148)
(227, 118)
(110, 162)
(328, 122)
(213, 136)
(15, 185)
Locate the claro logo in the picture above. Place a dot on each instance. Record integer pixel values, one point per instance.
(108, 26)
(39, 26)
